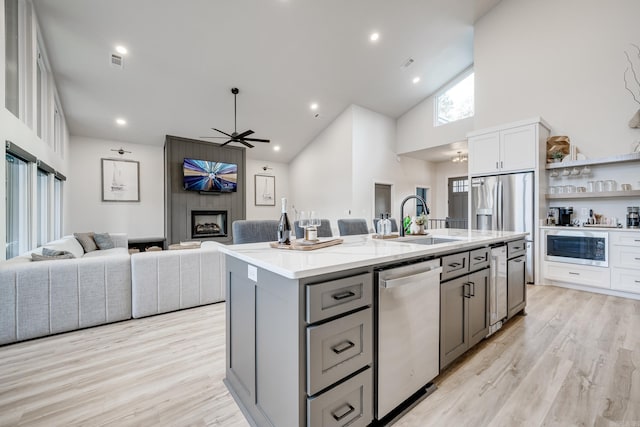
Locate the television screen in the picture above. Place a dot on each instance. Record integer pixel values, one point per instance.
(203, 175)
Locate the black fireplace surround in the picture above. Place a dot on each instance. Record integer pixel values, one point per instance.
(208, 224)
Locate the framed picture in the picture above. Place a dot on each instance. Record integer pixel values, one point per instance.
(120, 180)
(265, 187)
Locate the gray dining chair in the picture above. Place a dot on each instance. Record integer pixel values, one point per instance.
(394, 224)
(323, 231)
(351, 226)
(252, 231)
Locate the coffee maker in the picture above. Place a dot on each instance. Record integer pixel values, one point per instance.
(633, 217)
(564, 216)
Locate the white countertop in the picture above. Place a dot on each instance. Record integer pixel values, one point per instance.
(358, 251)
(580, 228)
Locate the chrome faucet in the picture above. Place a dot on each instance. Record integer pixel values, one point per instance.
(424, 204)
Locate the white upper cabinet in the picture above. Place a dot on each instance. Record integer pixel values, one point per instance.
(509, 149)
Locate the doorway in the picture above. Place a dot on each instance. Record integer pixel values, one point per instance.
(382, 200)
(458, 189)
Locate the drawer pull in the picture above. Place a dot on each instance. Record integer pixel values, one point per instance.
(343, 346)
(342, 411)
(343, 295)
(479, 258)
(637, 281)
(575, 274)
(517, 260)
(454, 265)
(465, 294)
(516, 248)
(472, 288)
(637, 259)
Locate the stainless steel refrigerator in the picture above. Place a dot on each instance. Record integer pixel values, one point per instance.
(505, 203)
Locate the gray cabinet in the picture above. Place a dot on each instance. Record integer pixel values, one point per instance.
(464, 312)
(516, 286)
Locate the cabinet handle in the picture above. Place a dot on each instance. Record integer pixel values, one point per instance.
(516, 248)
(517, 260)
(496, 165)
(473, 286)
(479, 258)
(343, 295)
(454, 265)
(637, 281)
(636, 240)
(501, 164)
(342, 411)
(342, 347)
(575, 274)
(637, 259)
(465, 294)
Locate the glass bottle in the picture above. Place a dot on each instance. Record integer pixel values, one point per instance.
(386, 228)
(379, 226)
(284, 227)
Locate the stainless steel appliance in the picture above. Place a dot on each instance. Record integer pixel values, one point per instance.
(408, 332)
(577, 247)
(506, 203)
(633, 217)
(498, 288)
(564, 217)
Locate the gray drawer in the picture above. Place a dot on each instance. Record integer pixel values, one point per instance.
(350, 403)
(516, 248)
(338, 348)
(479, 258)
(332, 298)
(454, 265)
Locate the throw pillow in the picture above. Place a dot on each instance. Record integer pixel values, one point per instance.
(54, 252)
(86, 240)
(38, 257)
(103, 240)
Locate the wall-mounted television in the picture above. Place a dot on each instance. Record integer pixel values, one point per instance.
(205, 175)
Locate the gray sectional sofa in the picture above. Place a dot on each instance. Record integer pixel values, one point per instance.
(48, 297)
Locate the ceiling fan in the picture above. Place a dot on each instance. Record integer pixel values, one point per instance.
(235, 136)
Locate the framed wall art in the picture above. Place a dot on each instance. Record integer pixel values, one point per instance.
(120, 180)
(265, 188)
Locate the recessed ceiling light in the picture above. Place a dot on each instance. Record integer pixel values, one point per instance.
(314, 106)
(121, 50)
(374, 37)
(416, 79)
(121, 122)
(276, 148)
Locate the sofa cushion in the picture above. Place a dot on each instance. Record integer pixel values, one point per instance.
(55, 252)
(107, 252)
(103, 240)
(67, 243)
(87, 242)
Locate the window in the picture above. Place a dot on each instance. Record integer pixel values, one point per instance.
(457, 101)
(17, 182)
(42, 231)
(41, 97)
(12, 72)
(57, 128)
(460, 186)
(421, 192)
(57, 208)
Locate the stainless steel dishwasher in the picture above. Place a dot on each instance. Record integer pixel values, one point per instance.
(408, 338)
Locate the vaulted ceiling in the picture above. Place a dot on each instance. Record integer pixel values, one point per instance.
(184, 56)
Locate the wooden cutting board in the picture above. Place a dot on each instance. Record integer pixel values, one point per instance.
(299, 246)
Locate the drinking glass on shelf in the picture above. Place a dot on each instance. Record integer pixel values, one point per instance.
(303, 220)
(554, 173)
(314, 219)
(585, 171)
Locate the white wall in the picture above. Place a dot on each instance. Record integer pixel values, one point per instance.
(320, 175)
(416, 130)
(281, 173)
(563, 61)
(87, 210)
(375, 160)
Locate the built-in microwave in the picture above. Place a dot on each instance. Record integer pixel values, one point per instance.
(577, 247)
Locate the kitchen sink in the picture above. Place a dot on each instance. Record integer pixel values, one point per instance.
(426, 240)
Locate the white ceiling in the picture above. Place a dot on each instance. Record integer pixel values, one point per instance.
(185, 56)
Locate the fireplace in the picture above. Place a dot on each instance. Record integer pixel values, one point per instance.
(208, 224)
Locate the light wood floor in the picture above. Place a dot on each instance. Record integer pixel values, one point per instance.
(573, 360)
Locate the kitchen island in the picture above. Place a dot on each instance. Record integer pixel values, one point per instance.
(301, 325)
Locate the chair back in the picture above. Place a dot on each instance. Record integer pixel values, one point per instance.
(324, 230)
(394, 225)
(252, 231)
(351, 226)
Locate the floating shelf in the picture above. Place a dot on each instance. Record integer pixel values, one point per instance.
(622, 158)
(593, 195)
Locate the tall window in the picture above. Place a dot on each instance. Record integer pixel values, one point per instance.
(12, 83)
(43, 207)
(17, 181)
(57, 128)
(57, 208)
(41, 92)
(456, 102)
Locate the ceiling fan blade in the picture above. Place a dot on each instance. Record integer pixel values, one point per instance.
(220, 137)
(231, 140)
(256, 140)
(242, 141)
(245, 133)
(224, 133)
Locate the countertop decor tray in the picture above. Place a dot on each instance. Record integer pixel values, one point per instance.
(306, 246)
(386, 236)
(600, 226)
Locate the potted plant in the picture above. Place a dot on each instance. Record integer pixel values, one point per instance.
(418, 223)
(557, 156)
